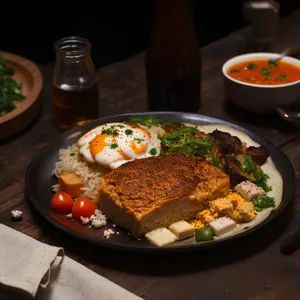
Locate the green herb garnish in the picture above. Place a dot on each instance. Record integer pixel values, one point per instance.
(72, 154)
(153, 151)
(128, 132)
(261, 179)
(139, 141)
(282, 77)
(113, 146)
(10, 90)
(185, 141)
(235, 70)
(147, 121)
(214, 160)
(265, 72)
(251, 66)
(204, 234)
(120, 126)
(110, 132)
(272, 63)
(263, 202)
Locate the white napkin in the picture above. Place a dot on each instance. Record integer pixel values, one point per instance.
(30, 269)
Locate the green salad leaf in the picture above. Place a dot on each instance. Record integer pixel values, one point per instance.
(260, 177)
(146, 121)
(262, 202)
(10, 90)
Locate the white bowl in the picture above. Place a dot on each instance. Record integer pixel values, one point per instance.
(256, 97)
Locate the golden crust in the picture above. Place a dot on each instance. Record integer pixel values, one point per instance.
(146, 193)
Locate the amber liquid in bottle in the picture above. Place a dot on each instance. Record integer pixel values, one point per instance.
(75, 94)
(173, 62)
(71, 106)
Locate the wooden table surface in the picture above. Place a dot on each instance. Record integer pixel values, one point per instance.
(253, 268)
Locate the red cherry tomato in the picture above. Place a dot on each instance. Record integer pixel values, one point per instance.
(62, 203)
(83, 207)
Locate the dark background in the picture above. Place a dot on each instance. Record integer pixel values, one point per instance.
(116, 29)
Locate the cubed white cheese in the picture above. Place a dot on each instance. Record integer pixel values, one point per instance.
(182, 229)
(160, 237)
(222, 225)
(249, 190)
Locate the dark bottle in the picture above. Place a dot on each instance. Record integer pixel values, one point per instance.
(173, 61)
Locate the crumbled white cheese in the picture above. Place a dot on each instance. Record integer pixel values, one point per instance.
(16, 214)
(182, 229)
(97, 223)
(84, 220)
(107, 233)
(249, 190)
(69, 216)
(161, 237)
(98, 220)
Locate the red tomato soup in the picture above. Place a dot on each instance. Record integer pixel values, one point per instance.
(264, 71)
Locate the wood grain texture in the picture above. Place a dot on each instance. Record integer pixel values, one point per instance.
(252, 268)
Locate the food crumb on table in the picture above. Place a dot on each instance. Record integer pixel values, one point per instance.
(16, 215)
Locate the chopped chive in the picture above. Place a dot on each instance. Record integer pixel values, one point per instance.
(113, 146)
(128, 132)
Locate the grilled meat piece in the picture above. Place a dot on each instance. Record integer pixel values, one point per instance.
(226, 142)
(233, 168)
(173, 127)
(258, 154)
(156, 191)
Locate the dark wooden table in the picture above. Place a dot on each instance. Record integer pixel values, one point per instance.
(253, 268)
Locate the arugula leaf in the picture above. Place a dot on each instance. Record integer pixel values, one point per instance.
(185, 141)
(262, 202)
(147, 121)
(261, 179)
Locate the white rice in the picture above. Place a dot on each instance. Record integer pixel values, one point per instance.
(71, 161)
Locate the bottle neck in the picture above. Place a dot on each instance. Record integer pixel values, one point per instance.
(173, 13)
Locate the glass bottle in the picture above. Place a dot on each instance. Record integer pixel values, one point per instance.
(173, 61)
(74, 89)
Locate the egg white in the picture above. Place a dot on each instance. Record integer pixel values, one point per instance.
(132, 143)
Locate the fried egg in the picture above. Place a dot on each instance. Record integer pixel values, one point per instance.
(114, 144)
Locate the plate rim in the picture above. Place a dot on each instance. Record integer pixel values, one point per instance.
(146, 249)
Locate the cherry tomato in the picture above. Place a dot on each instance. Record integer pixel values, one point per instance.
(62, 203)
(83, 207)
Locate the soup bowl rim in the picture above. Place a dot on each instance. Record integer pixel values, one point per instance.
(263, 55)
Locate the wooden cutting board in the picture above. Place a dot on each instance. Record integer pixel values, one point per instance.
(29, 74)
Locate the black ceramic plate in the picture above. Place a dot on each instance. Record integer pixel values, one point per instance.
(39, 182)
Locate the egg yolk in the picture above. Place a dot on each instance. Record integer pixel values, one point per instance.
(97, 144)
(138, 149)
(125, 157)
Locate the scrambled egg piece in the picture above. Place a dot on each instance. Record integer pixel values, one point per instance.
(233, 205)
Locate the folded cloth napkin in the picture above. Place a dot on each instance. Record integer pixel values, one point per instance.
(30, 269)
